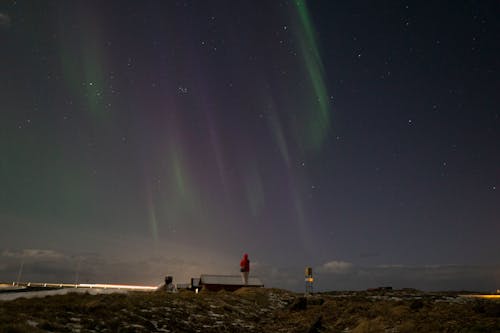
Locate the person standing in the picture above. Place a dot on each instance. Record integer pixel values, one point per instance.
(245, 268)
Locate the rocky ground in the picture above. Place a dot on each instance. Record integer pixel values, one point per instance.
(251, 310)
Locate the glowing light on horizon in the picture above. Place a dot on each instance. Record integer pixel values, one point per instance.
(80, 285)
(482, 296)
(115, 286)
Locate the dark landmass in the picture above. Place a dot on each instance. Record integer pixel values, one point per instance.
(252, 310)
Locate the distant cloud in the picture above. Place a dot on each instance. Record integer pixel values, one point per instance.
(335, 266)
(33, 253)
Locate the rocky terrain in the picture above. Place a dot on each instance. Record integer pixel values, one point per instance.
(251, 310)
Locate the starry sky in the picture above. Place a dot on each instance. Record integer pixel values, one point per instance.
(145, 138)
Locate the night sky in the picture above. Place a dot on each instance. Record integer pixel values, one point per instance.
(146, 138)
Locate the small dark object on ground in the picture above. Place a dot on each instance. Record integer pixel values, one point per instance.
(489, 309)
(299, 304)
(416, 305)
(315, 301)
(317, 325)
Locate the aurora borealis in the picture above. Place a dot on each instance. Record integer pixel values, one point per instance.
(360, 138)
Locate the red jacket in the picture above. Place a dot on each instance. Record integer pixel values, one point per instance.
(245, 264)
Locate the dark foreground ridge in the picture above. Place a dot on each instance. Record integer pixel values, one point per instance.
(251, 310)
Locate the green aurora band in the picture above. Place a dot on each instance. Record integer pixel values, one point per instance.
(318, 119)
